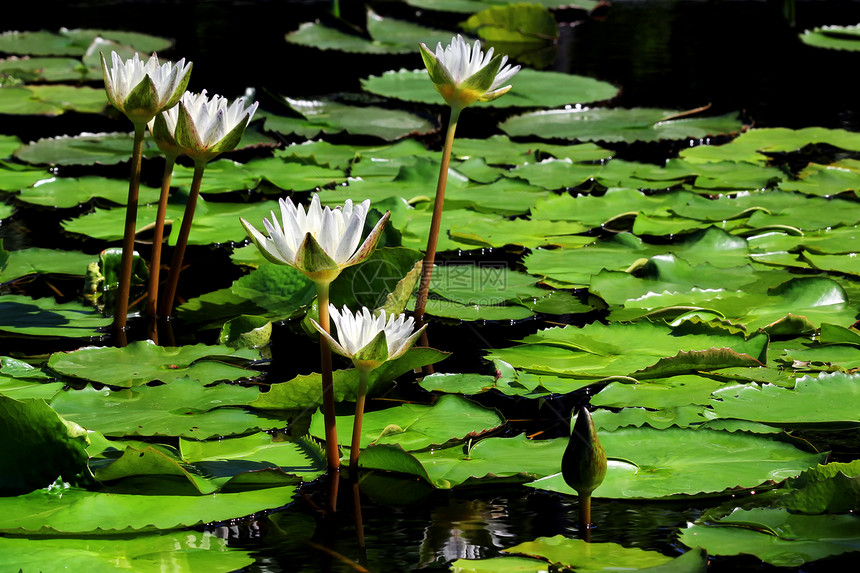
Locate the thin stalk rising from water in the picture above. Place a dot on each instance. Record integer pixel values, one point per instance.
(155, 260)
(435, 222)
(331, 448)
(166, 306)
(355, 445)
(121, 311)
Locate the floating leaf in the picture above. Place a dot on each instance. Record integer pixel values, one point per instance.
(141, 362)
(182, 408)
(613, 125)
(833, 37)
(65, 192)
(531, 88)
(677, 461)
(827, 398)
(153, 553)
(329, 116)
(35, 260)
(775, 536)
(76, 511)
(52, 100)
(38, 447)
(386, 36)
(417, 426)
(45, 317)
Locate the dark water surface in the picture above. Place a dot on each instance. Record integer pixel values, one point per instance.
(738, 55)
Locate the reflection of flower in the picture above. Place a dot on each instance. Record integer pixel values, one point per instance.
(141, 90)
(370, 340)
(320, 242)
(463, 74)
(202, 127)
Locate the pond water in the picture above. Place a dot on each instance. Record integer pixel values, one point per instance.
(734, 55)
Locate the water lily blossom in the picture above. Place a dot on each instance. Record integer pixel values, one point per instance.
(464, 74)
(368, 340)
(143, 89)
(140, 91)
(321, 241)
(201, 128)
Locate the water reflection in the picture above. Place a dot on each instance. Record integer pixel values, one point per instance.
(465, 529)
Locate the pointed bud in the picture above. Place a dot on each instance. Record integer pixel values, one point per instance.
(583, 465)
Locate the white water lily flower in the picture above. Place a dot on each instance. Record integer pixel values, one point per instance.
(202, 127)
(368, 340)
(320, 242)
(142, 90)
(463, 74)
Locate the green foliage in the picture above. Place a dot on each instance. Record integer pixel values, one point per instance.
(39, 447)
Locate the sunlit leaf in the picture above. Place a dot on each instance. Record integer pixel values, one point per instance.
(200, 551)
(598, 124)
(141, 362)
(776, 536)
(417, 426)
(38, 447)
(676, 461)
(75, 511)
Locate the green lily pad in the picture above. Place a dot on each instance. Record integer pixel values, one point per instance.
(302, 457)
(52, 100)
(614, 125)
(214, 222)
(531, 88)
(276, 292)
(66, 192)
(141, 362)
(776, 536)
(36, 260)
(76, 511)
(827, 398)
(417, 426)
(39, 446)
(675, 461)
(679, 390)
(584, 556)
(329, 116)
(827, 488)
(833, 37)
(45, 317)
(386, 36)
(200, 551)
(39, 69)
(597, 351)
(75, 42)
(98, 148)
(491, 460)
(183, 407)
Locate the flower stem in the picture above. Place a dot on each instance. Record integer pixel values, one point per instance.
(331, 449)
(121, 312)
(585, 516)
(155, 260)
(355, 445)
(166, 306)
(435, 222)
